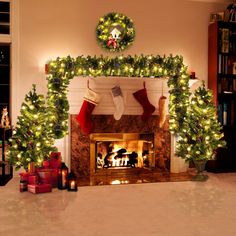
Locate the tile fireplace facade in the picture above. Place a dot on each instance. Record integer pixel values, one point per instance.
(82, 155)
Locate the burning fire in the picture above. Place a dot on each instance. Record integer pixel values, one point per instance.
(122, 154)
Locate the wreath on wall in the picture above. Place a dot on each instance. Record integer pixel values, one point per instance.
(115, 32)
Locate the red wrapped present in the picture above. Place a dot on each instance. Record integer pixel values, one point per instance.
(54, 178)
(48, 176)
(25, 176)
(39, 188)
(33, 179)
(44, 176)
(55, 160)
(46, 164)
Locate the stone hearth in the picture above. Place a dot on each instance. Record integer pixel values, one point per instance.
(83, 165)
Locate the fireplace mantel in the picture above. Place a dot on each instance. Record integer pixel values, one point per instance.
(155, 88)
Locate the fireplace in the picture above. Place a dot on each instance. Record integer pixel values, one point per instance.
(122, 150)
(125, 147)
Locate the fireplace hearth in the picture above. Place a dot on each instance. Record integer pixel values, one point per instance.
(136, 148)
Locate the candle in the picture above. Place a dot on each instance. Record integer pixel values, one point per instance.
(63, 179)
(72, 184)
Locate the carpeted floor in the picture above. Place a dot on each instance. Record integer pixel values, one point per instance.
(161, 209)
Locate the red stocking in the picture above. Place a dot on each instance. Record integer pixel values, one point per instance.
(142, 98)
(91, 99)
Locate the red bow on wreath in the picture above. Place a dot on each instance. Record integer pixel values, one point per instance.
(112, 42)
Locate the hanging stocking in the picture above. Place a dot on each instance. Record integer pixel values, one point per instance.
(142, 98)
(91, 99)
(118, 101)
(162, 111)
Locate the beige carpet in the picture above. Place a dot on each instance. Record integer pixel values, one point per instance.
(161, 209)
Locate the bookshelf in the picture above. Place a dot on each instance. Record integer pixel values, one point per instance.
(222, 81)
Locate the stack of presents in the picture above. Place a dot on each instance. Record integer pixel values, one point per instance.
(43, 179)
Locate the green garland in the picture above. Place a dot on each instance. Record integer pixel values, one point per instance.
(120, 23)
(62, 70)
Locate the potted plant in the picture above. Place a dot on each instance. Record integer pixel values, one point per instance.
(201, 134)
(31, 141)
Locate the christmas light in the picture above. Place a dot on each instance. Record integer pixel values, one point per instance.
(28, 142)
(204, 132)
(132, 66)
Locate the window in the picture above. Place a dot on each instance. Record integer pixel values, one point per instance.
(4, 17)
(4, 75)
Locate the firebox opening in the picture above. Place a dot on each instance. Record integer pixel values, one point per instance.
(123, 150)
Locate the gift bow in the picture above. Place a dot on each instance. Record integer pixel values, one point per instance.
(112, 42)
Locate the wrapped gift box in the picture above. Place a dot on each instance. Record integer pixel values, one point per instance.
(33, 179)
(48, 176)
(54, 178)
(45, 176)
(40, 188)
(55, 160)
(25, 176)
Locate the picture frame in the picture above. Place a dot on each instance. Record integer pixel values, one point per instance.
(216, 16)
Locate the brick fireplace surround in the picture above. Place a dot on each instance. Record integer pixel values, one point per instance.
(83, 165)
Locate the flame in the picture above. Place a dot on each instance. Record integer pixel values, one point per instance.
(117, 181)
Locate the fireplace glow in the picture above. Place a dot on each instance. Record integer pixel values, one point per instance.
(114, 182)
(127, 150)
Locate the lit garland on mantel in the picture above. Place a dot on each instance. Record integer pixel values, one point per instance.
(62, 70)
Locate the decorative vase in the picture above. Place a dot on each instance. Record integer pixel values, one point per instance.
(200, 167)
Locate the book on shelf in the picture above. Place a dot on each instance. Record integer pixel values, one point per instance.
(220, 113)
(232, 39)
(234, 85)
(225, 114)
(224, 84)
(234, 68)
(225, 40)
(226, 64)
(220, 64)
(232, 113)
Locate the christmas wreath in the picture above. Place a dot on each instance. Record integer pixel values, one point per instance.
(115, 32)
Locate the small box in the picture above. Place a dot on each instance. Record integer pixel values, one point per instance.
(40, 188)
(45, 176)
(54, 178)
(33, 179)
(55, 160)
(25, 176)
(48, 176)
